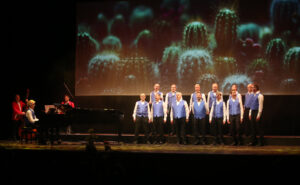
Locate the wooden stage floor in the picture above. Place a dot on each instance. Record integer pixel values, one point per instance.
(155, 148)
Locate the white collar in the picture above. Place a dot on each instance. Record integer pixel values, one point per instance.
(179, 100)
(233, 99)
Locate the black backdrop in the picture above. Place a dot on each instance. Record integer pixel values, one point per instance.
(42, 57)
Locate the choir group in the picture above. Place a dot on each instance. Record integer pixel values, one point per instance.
(213, 112)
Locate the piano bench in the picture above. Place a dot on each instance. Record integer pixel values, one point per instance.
(26, 133)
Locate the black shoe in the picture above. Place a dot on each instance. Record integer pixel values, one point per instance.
(161, 142)
(214, 143)
(233, 144)
(197, 142)
(135, 142)
(178, 142)
(251, 144)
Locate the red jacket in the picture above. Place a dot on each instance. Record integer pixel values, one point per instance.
(17, 111)
(70, 103)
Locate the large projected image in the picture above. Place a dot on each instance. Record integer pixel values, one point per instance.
(124, 47)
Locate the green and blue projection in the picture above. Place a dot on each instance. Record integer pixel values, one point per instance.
(124, 47)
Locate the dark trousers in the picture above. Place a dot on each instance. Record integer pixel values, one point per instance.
(54, 134)
(180, 126)
(158, 131)
(170, 127)
(141, 122)
(235, 123)
(217, 129)
(247, 122)
(199, 127)
(14, 130)
(256, 128)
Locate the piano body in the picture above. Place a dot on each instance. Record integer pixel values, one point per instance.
(81, 120)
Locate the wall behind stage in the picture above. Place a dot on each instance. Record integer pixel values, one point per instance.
(280, 115)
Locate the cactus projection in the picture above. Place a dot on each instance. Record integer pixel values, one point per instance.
(259, 64)
(247, 52)
(118, 26)
(134, 46)
(226, 31)
(275, 53)
(111, 43)
(292, 62)
(140, 19)
(175, 12)
(122, 7)
(240, 80)
(162, 37)
(206, 80)
(143, 43)
(283, 15)
(102, 71)
(108, 73)
(265, 35)
(173, 8)
(86, 47)
(259, 70)
(249, 30)
(195, 35)
(100, 28)
(289, 85)
(192, 64)
(135, 74)
(225, 66)
(168, 69)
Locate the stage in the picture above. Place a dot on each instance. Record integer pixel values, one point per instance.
(124, 162)
(275, 145)
(158, 149)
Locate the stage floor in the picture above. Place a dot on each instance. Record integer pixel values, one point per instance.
(163, 148)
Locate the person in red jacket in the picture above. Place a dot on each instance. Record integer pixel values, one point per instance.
(18, 107)
(68, 102)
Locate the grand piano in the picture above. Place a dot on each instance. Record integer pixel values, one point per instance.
(81, 119)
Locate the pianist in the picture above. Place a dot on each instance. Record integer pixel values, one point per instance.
(30, 121)
(30, 114)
